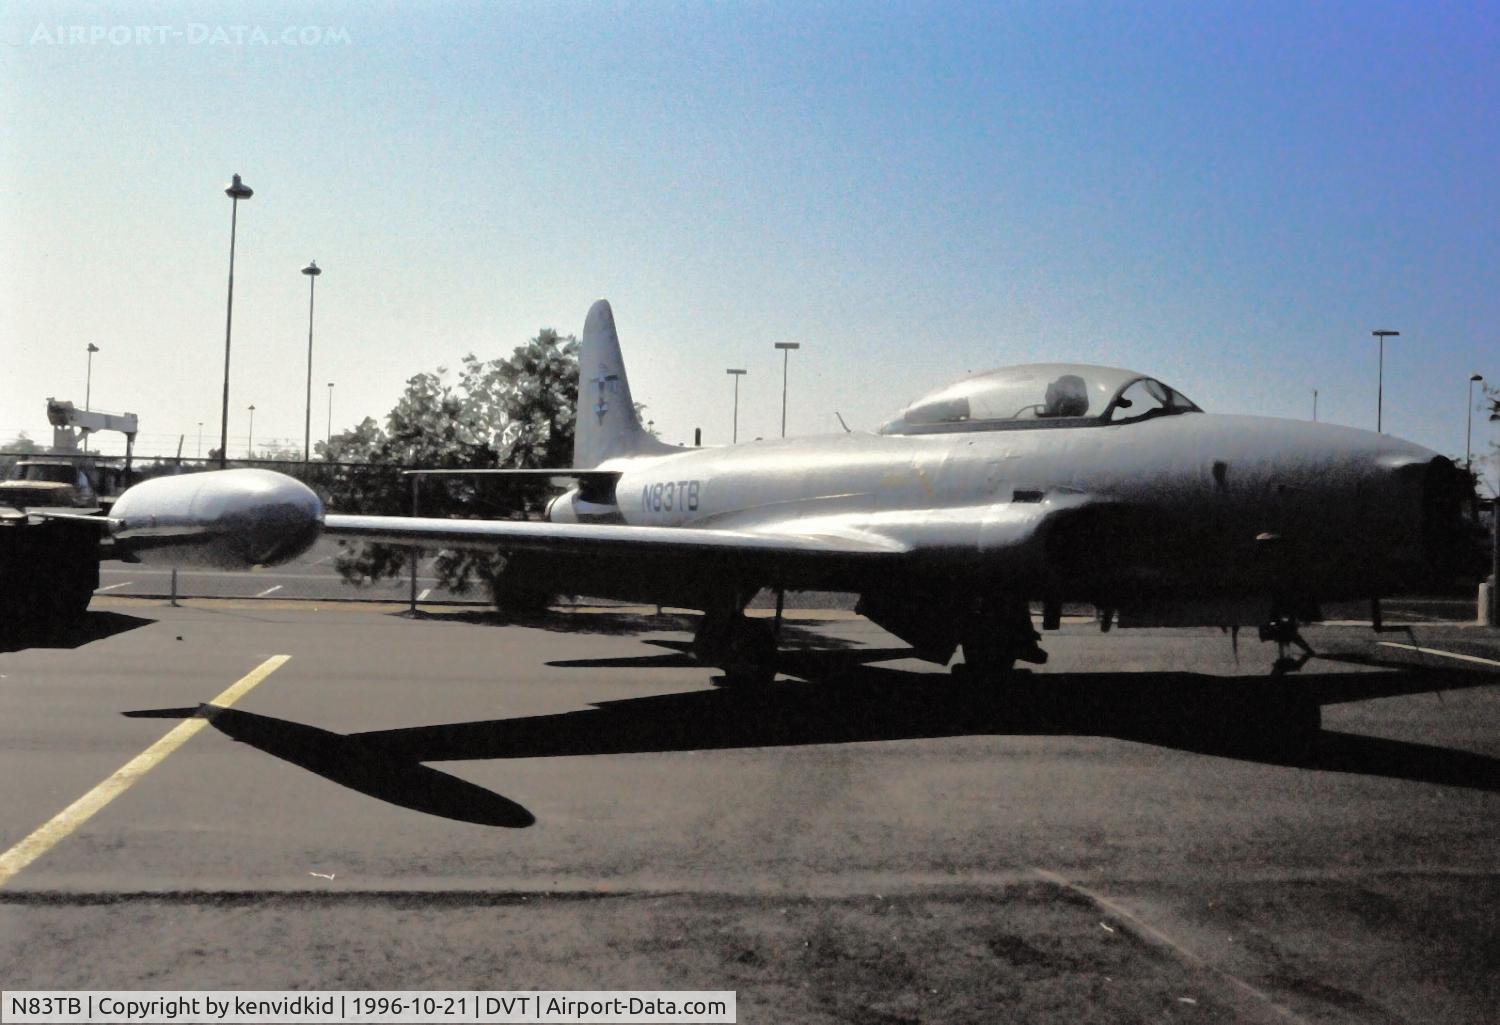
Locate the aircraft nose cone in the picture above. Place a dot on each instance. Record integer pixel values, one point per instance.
(1451, 540)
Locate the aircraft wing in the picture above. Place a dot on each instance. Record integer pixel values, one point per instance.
(831, 552)
(587, 539)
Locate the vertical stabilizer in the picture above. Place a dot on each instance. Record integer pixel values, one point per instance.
(607, 423)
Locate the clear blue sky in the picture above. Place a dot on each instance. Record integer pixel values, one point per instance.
(1227, 195)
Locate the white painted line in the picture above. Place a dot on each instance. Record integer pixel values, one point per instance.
(142, 571)
(80, 811)
(424, 594)
(324, 559)
(269, 590)
(111, 587)
(1445, 654)
(1154, 934)
(1394, 623)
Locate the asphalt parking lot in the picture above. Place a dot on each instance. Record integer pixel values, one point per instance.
(313, 574)
(374, 801)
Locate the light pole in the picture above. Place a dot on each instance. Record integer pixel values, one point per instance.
(88, 384)
(786, 355)
(1494, 583)
(200, 439)
(312, 272)
(736, 374)
(88, 387)
(1315, 405)
(236, 191)
(1469, 426)
(328, 441)
(250, 438)
(1380, 381)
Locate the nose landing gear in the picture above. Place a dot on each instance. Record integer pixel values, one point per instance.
(1286, 632)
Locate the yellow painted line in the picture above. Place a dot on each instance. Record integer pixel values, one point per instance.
(1438, 651)
(1154, 934)
(81, 810)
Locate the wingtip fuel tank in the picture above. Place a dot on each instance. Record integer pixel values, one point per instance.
(226, 519)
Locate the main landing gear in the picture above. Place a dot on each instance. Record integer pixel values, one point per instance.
(744, 648)
(998, 634)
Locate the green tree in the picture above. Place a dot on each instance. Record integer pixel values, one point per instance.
(21, 445)
(281, 451)
(516, 413)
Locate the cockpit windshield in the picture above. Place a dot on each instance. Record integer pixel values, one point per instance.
(1039, 395)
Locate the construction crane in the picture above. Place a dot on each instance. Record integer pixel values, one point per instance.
(65, 417)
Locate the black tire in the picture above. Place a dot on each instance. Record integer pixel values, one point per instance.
(987, 655)
(751, 656)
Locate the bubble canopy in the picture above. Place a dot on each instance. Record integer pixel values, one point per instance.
(1035, 395)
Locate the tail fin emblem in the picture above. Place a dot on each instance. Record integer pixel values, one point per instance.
(606, 383)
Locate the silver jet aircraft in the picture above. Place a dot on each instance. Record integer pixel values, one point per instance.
(1046, 483)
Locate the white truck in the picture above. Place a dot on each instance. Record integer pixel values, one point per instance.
(49, 548)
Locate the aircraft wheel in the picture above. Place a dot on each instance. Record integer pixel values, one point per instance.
(989, 657)
(751, 658)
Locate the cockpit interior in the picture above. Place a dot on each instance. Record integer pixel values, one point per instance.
(1036, 395)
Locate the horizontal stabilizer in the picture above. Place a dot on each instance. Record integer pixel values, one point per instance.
(593, 479)
(94, 519)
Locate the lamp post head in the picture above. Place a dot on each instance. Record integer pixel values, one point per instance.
(735, 371)
(1386, 334)
(1476, 377)
(252, 407)
(238, 189)
(312, 269)
(330, 384)
(788, 345)
(92, 347)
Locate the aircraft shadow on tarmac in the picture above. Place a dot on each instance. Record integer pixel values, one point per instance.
(366, 768)
(799, 656)
(838, 700)
(92, 626)
(623, 624)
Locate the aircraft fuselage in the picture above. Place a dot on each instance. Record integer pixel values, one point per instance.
(1231, 502)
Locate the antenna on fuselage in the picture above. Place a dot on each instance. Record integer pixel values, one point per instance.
(841, 422)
